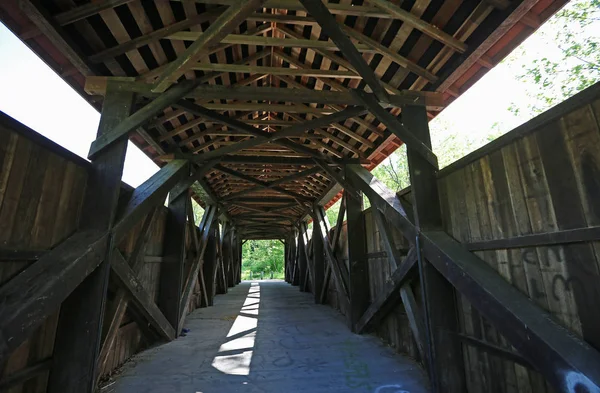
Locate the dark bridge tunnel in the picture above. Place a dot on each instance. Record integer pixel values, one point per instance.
(479, 277)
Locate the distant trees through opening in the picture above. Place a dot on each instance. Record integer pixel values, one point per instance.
(262, 259)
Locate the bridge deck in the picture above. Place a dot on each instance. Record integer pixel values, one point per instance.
(266, 336)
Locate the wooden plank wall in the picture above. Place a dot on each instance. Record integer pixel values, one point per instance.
(542, 177)
(42, 187)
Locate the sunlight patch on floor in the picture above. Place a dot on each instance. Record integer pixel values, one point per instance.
(235, 355)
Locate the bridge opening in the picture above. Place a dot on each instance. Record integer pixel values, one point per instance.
(263, 259)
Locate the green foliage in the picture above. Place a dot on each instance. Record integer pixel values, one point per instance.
(547, 79)
(576, 65)
(266, 256)
(393, 171)
(332, 212)
(198, 212)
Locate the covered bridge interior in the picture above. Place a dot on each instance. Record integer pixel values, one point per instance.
(266, 112)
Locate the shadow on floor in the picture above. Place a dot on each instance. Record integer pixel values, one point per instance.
(266, 336)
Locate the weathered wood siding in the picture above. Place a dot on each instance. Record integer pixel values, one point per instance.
(41, 192)
(42, 187)
(542, 177)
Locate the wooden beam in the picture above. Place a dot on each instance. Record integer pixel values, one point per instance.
(149, 194)
(174, 250)
(223, 25)
(261, 136)
(49, 282)
(242, 39)
(15, 379)
(389, 296)
(420, 24)
(415, 319)
(197, 174)
(390, 54)
(205, 227)
(116, 311)
(580, 235)
(140, 297)
(396, 127)
(394, 257)
(552, 349)
(358, 283)
(549, 347)
(209, 265)
(262, 183)
(303, 259)
(285, 160)
(334, 8)
(131, 123)
(8, 255)
(53, 33)
(339, 273)
(155, 35)
(330, 26)
(86, 10)
(334, 245)
(445, 356)
(244, 69)
(79, 333)
(433, 101)
(337, 176)
(493, 349)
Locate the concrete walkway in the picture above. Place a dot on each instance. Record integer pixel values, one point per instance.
(266, 336)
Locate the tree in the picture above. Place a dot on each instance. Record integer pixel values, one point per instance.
(266, 256)
(551, 79)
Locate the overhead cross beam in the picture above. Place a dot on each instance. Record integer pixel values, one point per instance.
(262, 136)
(274, 183)
(262, 183)
(421, 25)
(225, 23)
(122, 129)
(396, 127)
(330, 26)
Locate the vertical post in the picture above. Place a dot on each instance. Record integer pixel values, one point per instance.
(171, 270)
(239, 259)
(221, 288)
(209, 267)
(445, 355)
(231, 259)
(302, 258)
(358, 287)
(296, 260)
(81, 315)
(286, 256)
(318, 264)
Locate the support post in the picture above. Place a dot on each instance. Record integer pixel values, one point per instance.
(295, 264)
(302, 259)
(286, 261)
(79, 331)
(210, 266)
(318, 265)
(358, 287)
(231, 259)
(446, 364)
(171, 270)
(238, 248)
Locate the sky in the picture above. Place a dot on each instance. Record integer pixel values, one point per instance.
(34, 95)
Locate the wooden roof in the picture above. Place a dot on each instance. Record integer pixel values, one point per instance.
(275, 70)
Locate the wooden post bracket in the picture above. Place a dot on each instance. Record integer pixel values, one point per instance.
(565, 360)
